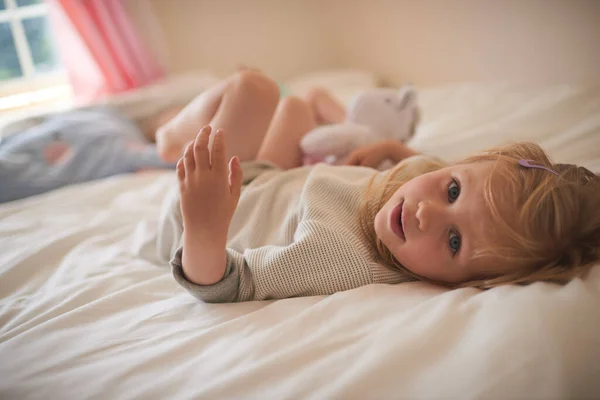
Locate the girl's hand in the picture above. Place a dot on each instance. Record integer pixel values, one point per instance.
(370, 155)
(210, 188)
(373, 155)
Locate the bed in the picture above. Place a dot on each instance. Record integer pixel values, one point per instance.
(86, 310)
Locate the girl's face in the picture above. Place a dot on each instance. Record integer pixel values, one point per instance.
(434, 223)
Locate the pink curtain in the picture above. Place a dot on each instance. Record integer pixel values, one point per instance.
(101, 49)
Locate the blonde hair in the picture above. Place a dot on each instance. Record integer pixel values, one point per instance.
(548, 225)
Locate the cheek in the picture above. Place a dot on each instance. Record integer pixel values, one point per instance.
(379, 222)
(420, 256)
(422, 187)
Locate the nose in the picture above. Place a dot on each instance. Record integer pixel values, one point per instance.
(428, 215)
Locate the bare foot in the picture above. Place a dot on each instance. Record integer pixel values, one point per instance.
(168, 149)
(151, 124)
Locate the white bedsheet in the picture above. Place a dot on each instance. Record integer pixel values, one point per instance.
(86, 313)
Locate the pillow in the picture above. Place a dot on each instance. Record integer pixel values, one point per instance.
(149, 100)
(343, 83)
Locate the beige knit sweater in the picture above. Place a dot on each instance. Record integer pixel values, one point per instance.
(294, 233)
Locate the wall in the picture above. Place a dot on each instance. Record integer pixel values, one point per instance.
(430, 42)
(283, 37)
(427, 42)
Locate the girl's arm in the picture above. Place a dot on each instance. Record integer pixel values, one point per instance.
(203, 261)
(373, 155)
(399, 151)
(210, 190)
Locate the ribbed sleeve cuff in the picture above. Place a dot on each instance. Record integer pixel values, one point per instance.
(224, 291)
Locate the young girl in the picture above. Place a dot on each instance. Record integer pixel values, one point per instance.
(252, 230)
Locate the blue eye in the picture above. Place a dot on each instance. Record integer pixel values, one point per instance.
(453, 190)
(454, 243)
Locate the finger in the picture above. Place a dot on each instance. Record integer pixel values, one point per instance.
(201, 153)
(217, 154)
(188, 158)
(352, 159)
(180, 170)
(368, 162)
(235, 178)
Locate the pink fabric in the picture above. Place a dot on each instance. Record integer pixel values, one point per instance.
(101, 49)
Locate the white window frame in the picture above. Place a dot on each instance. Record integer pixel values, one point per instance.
(24, 90)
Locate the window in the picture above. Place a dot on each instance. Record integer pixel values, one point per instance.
(29, 64)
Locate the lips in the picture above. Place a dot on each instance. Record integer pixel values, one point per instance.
(396, 221)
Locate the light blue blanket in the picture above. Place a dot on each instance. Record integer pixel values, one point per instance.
(73, 147)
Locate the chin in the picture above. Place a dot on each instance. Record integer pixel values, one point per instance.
(403, 264)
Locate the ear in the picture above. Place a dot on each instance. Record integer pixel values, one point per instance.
(407, 95)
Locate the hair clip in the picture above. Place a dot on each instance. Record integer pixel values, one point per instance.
(527, 164)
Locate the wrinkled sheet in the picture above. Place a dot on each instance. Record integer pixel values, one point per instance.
(87, 312)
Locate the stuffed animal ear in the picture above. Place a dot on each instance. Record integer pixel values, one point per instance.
(407, 95)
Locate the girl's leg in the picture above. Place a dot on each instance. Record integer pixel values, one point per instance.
(326, 108)
(293, 119)
(199, 112)
(245, 113)
(243, 105)
(151, 124)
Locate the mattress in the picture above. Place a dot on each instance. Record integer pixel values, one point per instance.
(86, 311)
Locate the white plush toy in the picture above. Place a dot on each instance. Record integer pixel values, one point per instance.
(372, 116)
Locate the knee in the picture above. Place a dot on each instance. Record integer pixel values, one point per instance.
(256, 86)
(315, 93)
(295, 105)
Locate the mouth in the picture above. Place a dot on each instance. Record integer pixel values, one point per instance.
(396, 221)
